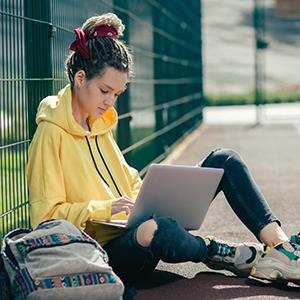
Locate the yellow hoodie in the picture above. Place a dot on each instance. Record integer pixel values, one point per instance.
(74, 174)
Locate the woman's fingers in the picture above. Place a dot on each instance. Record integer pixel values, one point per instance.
(130, 204)
(127, 201)
(122, 204)
(126, 209)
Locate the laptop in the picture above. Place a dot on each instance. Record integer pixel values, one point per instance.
(180, 192)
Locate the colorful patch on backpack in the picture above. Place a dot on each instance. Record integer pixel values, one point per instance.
(51, 240)
(75, 280)
(23, 284)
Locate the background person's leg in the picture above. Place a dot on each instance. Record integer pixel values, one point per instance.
(281, 261)
(272, 234)
(243, 194)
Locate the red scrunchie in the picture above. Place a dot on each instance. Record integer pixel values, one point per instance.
(81, 38)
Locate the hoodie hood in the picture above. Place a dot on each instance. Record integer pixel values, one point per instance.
(58, 110)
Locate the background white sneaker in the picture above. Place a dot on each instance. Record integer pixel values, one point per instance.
(280, 263)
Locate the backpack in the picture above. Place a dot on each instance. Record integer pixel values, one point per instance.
(58, 261)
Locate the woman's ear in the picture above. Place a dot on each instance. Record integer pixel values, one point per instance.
(79, 78)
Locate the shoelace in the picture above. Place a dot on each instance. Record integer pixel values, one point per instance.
(296, 246)
(279, 247)
(225, 250)
(295, 239)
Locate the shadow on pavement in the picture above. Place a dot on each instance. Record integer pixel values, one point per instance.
(210, 285)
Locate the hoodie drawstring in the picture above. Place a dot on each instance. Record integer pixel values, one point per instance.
(111, 177)
(91, 152)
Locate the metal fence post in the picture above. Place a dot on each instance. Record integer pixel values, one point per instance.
(37, 56)
(123, 104)
(260, 46)
(160, 90)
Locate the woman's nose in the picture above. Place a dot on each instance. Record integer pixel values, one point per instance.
(110, 101)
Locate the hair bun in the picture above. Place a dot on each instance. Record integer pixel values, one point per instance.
(105, 19)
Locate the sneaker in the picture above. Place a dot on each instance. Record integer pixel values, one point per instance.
(280, 263)
(295, 239)
(238, 258)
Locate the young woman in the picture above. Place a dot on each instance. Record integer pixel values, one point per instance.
(77, 172)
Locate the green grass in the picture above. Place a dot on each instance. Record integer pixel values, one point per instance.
(248, 98)
(143, 155)
(13, 190)
(139, 133)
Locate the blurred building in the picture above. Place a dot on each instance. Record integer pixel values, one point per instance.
(288, 8)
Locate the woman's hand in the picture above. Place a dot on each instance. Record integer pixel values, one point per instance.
(122, 204)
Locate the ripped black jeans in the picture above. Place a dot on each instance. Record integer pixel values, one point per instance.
(172, 243)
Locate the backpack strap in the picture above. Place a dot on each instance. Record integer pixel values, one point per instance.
(5, 249)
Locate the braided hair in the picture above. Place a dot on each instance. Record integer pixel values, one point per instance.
(103, 51)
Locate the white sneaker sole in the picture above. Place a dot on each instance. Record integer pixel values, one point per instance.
(274, 270)
(226, 266)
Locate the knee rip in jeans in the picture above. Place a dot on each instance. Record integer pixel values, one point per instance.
(145, 233)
